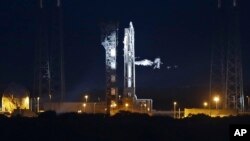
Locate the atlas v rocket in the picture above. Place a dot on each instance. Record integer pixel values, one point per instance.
(129, 63)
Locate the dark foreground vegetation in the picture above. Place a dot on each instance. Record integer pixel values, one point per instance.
(121, 127)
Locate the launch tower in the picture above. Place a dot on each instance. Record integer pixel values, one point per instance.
(109, 40)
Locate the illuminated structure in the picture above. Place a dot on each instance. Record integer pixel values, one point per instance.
(130, 101)
(109, 40)
(226, 65)
(15, 97)
(129, 63)
(49, 82)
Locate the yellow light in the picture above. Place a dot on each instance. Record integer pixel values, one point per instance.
(86, 96)
(126, 105)
(26, 100)
(175, 103)
(205, 104)
(216, 99)
(113, 105)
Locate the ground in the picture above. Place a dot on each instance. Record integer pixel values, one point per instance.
(124, 126)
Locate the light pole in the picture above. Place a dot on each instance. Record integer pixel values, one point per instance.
(94, 107)
(175, 103)
(84, 107)
(38, 98)
(50, 96)
(86, 98)
(119, 97)
(179, 116)
(216, 100)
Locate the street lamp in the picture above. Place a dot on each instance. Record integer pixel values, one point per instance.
(175, 103)
(84, 107)
(216, 100)
(205, 104)
(38, 98)
(86, 98)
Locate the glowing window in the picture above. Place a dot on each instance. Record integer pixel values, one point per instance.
(112, 78)
(112, 91)
(113, 52)
(113, 65)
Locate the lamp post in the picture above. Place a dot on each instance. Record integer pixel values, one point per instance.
(216, 100)
(86, 98)
(175, 103)
(38, 98)
(94, 107)
(84, 107)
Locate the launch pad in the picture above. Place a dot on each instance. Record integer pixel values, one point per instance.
(129, 101)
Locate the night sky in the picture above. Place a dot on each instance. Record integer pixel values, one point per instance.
(177, 31)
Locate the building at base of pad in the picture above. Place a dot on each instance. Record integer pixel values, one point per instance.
(140, 106)
(210, 112)
(79, 107)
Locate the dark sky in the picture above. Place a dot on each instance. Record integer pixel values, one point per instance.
(177, 31)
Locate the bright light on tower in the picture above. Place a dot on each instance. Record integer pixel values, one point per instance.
(175, 103)
(113, 65)
(113, 52)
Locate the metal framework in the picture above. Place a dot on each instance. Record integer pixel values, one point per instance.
(129, 63)
(234, 79)
(109, 40)
(226, 57)
(49, 67)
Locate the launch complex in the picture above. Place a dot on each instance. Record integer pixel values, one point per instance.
(129, 101)
(226, 77)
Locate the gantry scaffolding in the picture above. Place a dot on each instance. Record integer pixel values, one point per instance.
(49, 80)
(226, 77)
(109, 40)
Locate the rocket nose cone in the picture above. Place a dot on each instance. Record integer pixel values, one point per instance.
(131, 25)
